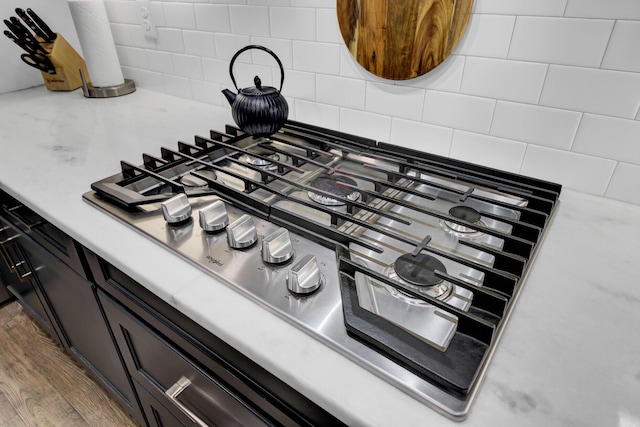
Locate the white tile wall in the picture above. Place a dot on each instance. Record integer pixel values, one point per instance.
(609, 137)
(592, 90)
(458, 111)
(624, 183)
(549, 88)
(545, 126)
(503, 79)
(488, 150)
(623, 52)
(586, 173)
(560, 40)
(521, 7)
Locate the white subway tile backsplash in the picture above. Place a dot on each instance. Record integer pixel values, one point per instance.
(487, 150)
(487, 35)
(316, 113)
(361, 123)
(249, 20)
(199, 43)
(560, 40)
(297, 84)
(611, 9)
(394, 100)
(121, 34)
(269, 2)
(623, 52)
(327, 28)
(187, 66)
(314, 3)
(213, 17)
(157, 14)
(121, 11)
(546, 126)
(177, 86)
(521, 7)
(295, 23)
(316, 57)
(159, 61)
(245, 73)
(150, 80)
(458, 111)
(503, 79)
(217, 71)
(169, 39)
(624, 183)
(609, 137)
(445, 77)
(180, 15)
(207, 92)
(228, 44)
(132, 56)
(421, 136)
(613, 93)
(281, 47)
(340, 91)
(578, 171)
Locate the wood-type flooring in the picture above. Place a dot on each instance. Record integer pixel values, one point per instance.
(41, 385)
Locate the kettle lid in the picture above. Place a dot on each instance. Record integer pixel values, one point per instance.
(258, 89)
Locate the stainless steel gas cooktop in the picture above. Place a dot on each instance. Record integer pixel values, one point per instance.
(406, 262)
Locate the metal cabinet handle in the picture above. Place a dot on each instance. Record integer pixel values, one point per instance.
(13, 214)
(24, 277)
(173, 392)
(4, 244)
(13, 265)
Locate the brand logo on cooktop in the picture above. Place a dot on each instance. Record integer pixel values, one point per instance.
(215, 261)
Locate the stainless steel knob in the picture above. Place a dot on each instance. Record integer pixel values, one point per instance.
(177, 209)
(277, 247)
(241, 233)
(304, 277)
(214, 217)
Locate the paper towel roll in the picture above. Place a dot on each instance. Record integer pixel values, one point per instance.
(94, 32)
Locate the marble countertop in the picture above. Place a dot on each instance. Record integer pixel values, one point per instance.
(568, 356)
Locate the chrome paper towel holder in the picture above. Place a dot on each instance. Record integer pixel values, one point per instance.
(91, 91)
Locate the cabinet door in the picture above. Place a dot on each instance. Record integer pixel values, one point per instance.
(19, 277)
(192, 395)
(81, 325)
(156, 414)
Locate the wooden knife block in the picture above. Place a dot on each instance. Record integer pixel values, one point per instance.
(67, 63)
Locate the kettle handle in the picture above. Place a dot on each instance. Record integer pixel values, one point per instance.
(255, 46)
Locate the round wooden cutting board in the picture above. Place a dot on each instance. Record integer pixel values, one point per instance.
(402, 39)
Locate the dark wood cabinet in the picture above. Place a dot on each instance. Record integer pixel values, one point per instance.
(162, 367)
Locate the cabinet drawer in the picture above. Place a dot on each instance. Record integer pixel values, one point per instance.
(39, 229)
(158, 366)
(156, 414)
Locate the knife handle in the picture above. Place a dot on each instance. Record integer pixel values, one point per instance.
(25, 18)
(51, 36)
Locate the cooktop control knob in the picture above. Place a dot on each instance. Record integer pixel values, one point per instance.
(276, 247)
(242, 233)
(304, 277)
(177, 209)
(214, 216)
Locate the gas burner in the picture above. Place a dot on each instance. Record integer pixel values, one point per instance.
(193, 182)
(261, 162)
(331, 185)
(465, 213)
(419, 271)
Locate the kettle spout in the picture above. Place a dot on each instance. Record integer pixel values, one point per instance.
(231, 97)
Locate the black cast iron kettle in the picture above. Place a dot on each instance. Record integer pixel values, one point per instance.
(258, 110)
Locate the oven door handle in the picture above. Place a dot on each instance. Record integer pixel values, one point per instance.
(175, 390)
